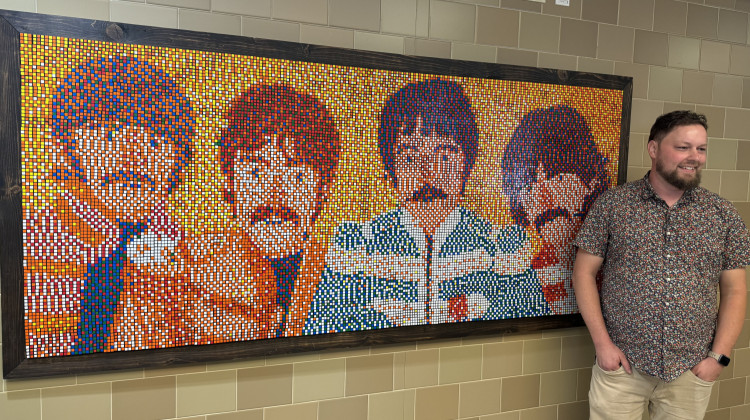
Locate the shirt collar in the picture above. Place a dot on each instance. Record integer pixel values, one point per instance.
(647, 191)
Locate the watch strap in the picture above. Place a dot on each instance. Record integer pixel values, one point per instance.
(723, 360)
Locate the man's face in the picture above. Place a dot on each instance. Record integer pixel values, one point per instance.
(680, 155)
(127, 169)
(275, 198)
(555, 208)
(429, 169)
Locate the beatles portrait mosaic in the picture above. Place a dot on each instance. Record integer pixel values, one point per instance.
(178, 197)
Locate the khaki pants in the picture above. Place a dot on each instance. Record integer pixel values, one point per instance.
(617, 395)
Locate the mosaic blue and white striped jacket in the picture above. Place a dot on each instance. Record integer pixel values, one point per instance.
(384, 273)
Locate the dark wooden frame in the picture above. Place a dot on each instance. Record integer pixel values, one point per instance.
(12, 24)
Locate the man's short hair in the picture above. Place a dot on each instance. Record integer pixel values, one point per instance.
(127, 90)
(664, 124)
(443, 109)
(560, 140)
(265, 110)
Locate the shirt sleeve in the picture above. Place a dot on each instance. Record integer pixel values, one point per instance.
(737, 241)
(594, 233)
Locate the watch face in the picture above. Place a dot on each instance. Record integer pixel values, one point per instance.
(724, 360)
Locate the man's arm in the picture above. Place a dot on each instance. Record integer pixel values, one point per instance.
(733, 296)
(585, 269)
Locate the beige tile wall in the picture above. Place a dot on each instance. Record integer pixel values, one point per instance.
(682, 54)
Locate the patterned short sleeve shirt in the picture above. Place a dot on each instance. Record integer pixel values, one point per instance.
(661, 271)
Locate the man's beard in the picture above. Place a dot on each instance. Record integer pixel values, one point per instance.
(673, 177)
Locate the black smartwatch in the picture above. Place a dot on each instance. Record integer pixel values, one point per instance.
(723, 360)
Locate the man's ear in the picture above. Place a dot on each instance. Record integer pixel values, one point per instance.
(652, 147)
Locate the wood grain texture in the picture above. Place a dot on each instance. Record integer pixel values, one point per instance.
(16, 365)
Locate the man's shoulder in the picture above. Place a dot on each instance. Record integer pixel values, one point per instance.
(353, 234)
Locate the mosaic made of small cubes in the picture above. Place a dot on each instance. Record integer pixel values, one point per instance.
(177, 197)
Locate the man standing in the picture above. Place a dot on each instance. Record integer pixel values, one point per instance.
(665, 245)
(279, 153)
(430, 260)
(552, 174)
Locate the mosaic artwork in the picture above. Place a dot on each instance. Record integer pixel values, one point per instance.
(179, 197)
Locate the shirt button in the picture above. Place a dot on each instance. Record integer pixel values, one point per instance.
(669, 233)
(666, 303)
(669, 279)
(669, 255)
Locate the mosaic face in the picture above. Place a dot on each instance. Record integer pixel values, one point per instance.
(182, 198)
(276, 198)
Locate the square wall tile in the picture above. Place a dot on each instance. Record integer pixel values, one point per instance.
(539, 32)
(636, 150)
(540, 413)
(369, 374)
(670, 16)
(452, 21)
(636, 173)
(307, 411)
(573, 411)
(651, 48)
(502, 359)
(319, 380)
(421, 368)
(732, 26)
(497, 26)
(85, 9)
(21, 404)
(529, 6)
(479, 398)
(196, 20)
(739, 59)
(711, 180)
(558, 61)
(520, 392)
(376, 42)
(714, 56)
(423, 18)
(637, 14)
(67, 402)
(355, 14)
(732, 392)
(684, 52)
(259, 8)
(398, 17)
(392, 405)
(578, 351)
(665, 84)
(572, 10)
(743, 158)
(722, 154)
(727, 91)
(185, 4)
(152, 398)
(332, 37)
(354, 408)
(19, 5)
(644, 114)
(204, 393)
(639, 73)
(584, 383)
(737, 124)
(541, 355)
(702, 21)
(517, 57)
(558, 387)
(460, 364)
(143, 14)
(593, 65)
(308, 11)
(270, 29)
(578, 37)
(602, 11)
(615, 43)
(427, 48)
(437, 403)
(473, 52)
(716, 119)
(264, 386)
(697, 87)
(734, 185)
